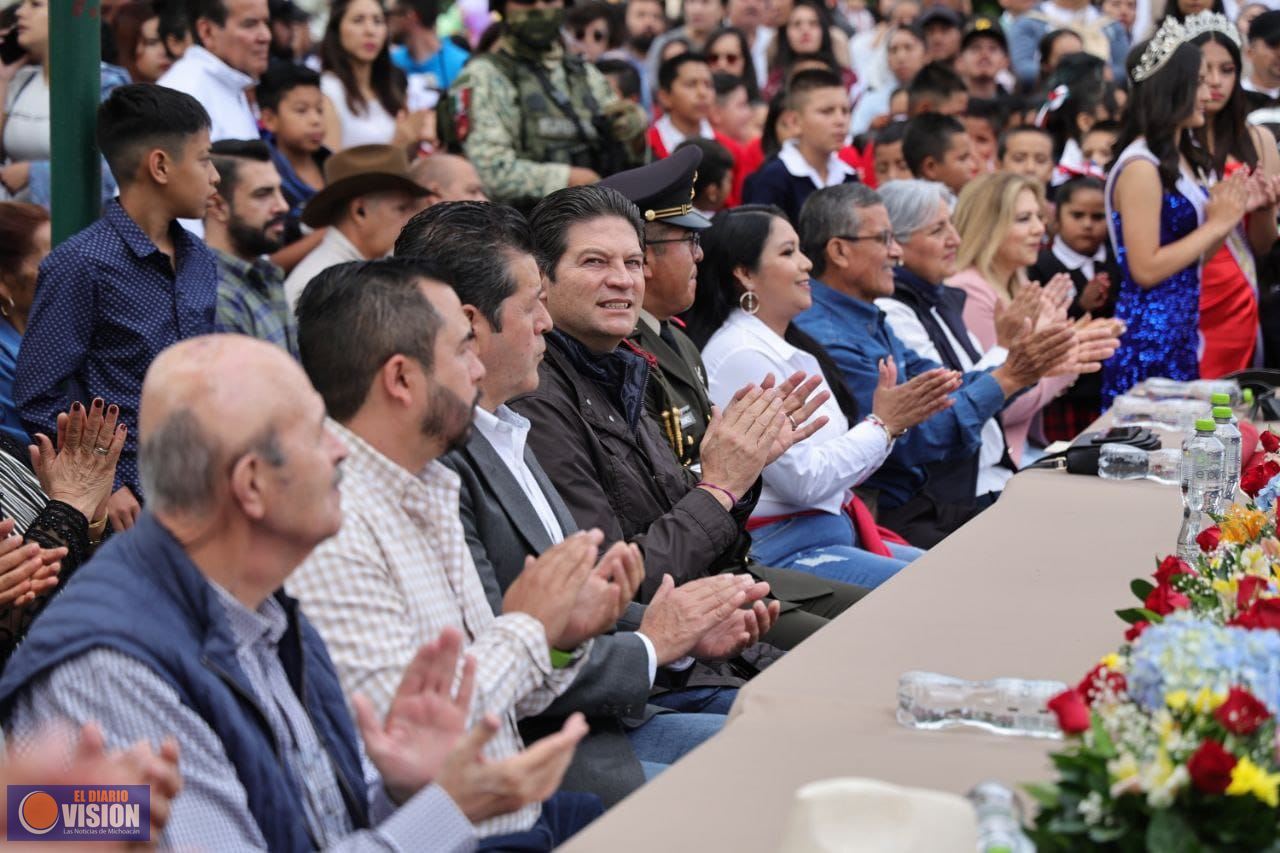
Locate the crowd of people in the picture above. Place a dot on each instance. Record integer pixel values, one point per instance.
(448, 413)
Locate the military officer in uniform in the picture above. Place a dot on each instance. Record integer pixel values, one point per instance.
(676, 395)
(533, 120)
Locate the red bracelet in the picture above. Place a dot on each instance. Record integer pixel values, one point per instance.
(733, 500)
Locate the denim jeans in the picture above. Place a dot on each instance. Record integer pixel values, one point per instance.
(827, 546)
(698, 700)
(562, 816)
(666, 738)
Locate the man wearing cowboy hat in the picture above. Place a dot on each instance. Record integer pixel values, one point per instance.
(369, 195)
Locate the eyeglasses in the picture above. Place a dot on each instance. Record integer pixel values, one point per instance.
(724, 57)
(693, 238)
(885, 237)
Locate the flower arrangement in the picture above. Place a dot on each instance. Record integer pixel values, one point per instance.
(1172, 740)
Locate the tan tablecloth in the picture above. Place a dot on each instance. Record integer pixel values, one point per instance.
(1027, 589)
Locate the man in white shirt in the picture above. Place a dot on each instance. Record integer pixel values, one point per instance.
(511, 511)
(233, 44)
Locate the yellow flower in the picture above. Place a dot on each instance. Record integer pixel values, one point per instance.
(1177, 699)
(1206, 700)
(1112, 662)
(1242, 525)
(1249, 778)
(1225, 587)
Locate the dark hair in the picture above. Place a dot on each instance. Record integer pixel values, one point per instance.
(1066, 190)
(935, 80)
(552, 218)
(426, 10)
(669, 70)
(1087, 90)
(174, 22)
(281, 79)
(1048, 40)
(786, 56)
(624, 74)
(214, 11)
(1002, 146)
(1231, 135)
(227, 154)
(18, 223)
(726, 84)
(387, 80)
(892, 132)
(810, 80)
(748, 78)
(770, 144)
(354, 316)
(581, 15)
(928, 135)
(471, 242)
(137, 117)
(1158, 105)
(716, 162)
(128, 24)
(990, 110)
(1172, 11)
(736, 239)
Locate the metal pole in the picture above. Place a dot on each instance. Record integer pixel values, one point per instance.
(74, 89)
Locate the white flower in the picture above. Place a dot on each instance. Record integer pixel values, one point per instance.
(1091, 808)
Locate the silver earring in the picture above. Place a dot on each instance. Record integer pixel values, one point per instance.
(749, 302)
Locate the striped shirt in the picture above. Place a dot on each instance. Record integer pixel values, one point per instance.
(131, 703)
(399, 572)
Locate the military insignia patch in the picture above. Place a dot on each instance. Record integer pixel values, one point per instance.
(461, 113)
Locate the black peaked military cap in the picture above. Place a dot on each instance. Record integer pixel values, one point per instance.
(663, 190)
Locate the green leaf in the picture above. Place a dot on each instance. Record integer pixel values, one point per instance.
(1046, 794)
(1102, 744)
(1142, 588)
(1169, 832)
(1140, 614)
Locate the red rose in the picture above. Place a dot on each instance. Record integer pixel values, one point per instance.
(1250, 588)
(1171, 566)
(1071, 711)
(1270, 441)
(1241, 714)
(1208, 538)
(1258, 476)
(1263, 613)
(1165, 599)
(1210, 768)
(1091, 685)
(1135, 631)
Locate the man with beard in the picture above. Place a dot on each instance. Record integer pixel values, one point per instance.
(389, 348)
(644, 20)
(244, 223)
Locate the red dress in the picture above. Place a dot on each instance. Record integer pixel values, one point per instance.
(1228, 313)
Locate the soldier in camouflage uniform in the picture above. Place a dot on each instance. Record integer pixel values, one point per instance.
(533, 120)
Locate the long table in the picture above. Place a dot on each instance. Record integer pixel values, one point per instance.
(1027, 589)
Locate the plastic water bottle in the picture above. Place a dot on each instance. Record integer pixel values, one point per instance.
(1007, 706)
(1197, 389)
(1229, 434)
(1202, 456)
(999, 820)
(1171, 413)
(1126, 462)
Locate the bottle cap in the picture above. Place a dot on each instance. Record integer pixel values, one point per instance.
(1218, 398)
(1206, 425)
(1222, 412)
(1248, 395)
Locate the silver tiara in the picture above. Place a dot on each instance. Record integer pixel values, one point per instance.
(1174, 33)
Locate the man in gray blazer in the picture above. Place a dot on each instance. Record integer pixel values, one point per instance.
(512, 512)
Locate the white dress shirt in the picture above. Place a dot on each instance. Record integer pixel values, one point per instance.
(837, 169)
(507, 433)
(1073, 260)
(992, 475)
(814, 474)
(219, 88)
(672, 136)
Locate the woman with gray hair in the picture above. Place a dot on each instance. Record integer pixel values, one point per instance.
(928, 317)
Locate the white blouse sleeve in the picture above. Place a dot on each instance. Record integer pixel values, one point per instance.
(812, 471)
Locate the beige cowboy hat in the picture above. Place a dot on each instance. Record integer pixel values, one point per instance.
(359, 171)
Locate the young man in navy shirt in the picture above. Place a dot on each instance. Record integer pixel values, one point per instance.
(111, 297)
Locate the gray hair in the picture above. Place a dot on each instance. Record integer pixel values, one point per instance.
(829, 213)
(178, 463)
(912, 203)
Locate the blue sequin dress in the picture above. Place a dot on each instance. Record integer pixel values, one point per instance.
(1163, 321)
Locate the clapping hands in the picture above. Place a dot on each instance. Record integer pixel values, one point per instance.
(81, 468)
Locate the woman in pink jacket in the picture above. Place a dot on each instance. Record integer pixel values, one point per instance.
(998, 217)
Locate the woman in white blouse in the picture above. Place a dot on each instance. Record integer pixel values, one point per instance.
(752, 282)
